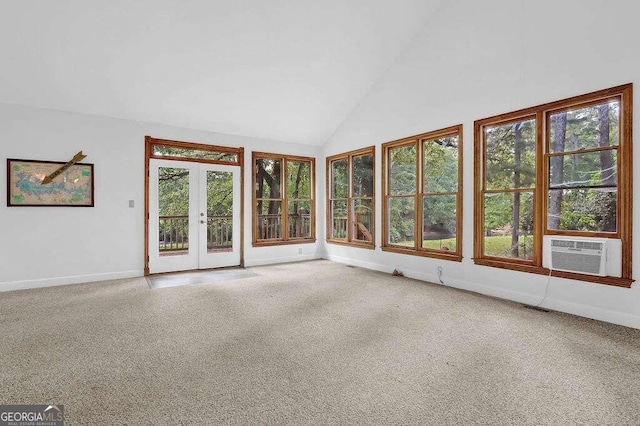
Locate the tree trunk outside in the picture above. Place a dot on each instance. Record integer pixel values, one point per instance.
(606, 161)
(262, 177)
(557, 166)
(607, 167)
(259, 191)
(515, 218)
(274, 188)
(296, 191)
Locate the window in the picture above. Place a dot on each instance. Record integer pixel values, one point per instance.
(186, 151)
(422, 212)
(350, 203)
(284, 210)
(562, 168)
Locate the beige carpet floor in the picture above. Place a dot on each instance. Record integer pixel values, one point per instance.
(311, 343)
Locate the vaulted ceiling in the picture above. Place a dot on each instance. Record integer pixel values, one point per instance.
(289, 70)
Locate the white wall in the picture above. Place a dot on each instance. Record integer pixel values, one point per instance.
(42, 246)
(477, 59)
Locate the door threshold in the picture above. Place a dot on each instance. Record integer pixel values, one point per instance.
(199, 276)
(191, 271)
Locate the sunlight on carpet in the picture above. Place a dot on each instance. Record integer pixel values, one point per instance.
(199, 277)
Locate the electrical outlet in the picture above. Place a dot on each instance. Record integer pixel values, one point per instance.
(131, 203)
(299, 250)
(439, 270)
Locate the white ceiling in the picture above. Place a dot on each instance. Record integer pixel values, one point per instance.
(290, 70)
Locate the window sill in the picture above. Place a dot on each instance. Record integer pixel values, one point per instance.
(614, 281)
(369, 246)
(453, 256)
(283, 243)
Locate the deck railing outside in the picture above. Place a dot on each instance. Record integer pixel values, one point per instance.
(270, 226)
(362, 227)
(174, 233)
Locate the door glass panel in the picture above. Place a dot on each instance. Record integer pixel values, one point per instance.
(173, 211)
(299, 219)
(219, 211)
(269, 219)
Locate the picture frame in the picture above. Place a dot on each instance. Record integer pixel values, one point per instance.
(72, 187)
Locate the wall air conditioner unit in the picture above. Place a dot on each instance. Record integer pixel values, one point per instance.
(583, 256)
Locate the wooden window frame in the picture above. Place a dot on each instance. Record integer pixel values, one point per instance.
(624, 148)
(285, 240)
(418, 250)
(150, 142)
(348, 240)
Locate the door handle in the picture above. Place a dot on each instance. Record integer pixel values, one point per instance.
(202, 221)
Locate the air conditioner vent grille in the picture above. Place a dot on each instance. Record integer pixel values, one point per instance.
(563, 243)
(588, 245)
(587, 264)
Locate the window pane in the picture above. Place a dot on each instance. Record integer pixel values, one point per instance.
(582, 128)
(362, 220)
(171, 151)
(402, 221)
(501, 212)
(339, 179)
(441, 165)
(298, 179)
(299, 219)
(339, 219)
(439, 221)
(363, 176)
(402, 167)
(592, 210)
(268, 173)
(580, 170)
(510, 155)
(269, 219)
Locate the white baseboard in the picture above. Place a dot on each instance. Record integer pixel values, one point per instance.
(76, 279)
(593, 312)
(284, 259)
(581, 310)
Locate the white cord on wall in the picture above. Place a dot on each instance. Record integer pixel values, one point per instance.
(546, 289)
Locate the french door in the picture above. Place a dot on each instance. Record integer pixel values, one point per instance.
(194, 216)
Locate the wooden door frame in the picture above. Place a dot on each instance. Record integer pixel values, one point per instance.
(150, 142)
